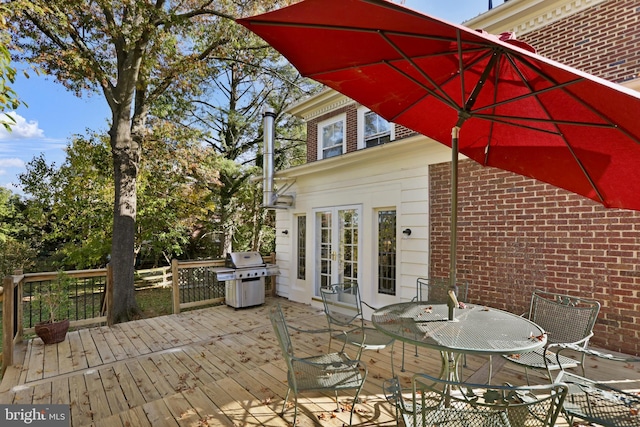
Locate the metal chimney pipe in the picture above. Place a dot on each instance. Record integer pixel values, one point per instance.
(268, 129)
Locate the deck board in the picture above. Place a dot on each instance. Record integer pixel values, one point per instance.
(214, 366)
(113, 385)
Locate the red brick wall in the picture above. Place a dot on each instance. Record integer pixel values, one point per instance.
(352, 128)
(602, 40)
(517, 234)
(403, 132)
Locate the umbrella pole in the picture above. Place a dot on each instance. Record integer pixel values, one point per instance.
(455, 131)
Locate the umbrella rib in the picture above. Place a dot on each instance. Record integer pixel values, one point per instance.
(595, 111)
(461, 70)
(390, 61)
(448, 101)
(584, 170)
(266, 23)
(444, 97)
(491, 125)
(505, 119)
(528, 95)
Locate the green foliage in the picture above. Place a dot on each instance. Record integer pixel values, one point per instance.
(15, 249)
(52, 299)
(186, 86)
(8, 97)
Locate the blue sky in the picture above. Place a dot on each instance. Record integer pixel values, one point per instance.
(54, 115)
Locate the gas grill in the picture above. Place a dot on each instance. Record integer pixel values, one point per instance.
(244, 274)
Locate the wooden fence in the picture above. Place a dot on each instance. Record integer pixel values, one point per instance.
(193, 283)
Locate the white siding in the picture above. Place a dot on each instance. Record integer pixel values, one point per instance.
(394, 175)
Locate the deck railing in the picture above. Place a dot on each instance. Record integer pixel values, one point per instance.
(19, 314)
(193, 283)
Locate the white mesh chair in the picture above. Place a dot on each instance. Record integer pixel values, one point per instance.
(343, 308)
(598, 402)
(566, 320)
(324, 372)
(436, 402)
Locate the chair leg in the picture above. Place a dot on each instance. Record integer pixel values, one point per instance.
(402, 364)
(355, 399)
(295, 409)
(286, 399)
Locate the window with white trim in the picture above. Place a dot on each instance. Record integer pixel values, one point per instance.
(372, 129)
(331, 137)
(301, 246)
(387, 251)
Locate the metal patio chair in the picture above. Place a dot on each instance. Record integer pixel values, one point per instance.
(566, 320)
(598, 402)
(324, 372)
(343, 308)
(436, 291)
(437, 402)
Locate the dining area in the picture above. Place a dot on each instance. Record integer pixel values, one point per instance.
(455, 363)
(176, 370)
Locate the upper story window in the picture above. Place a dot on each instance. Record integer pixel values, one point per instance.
(372, 129)
(332, 137)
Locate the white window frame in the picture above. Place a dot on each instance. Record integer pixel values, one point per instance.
(361, 112)
(339, 118)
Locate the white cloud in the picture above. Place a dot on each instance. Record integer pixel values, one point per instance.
(21, 129)
(11, 163)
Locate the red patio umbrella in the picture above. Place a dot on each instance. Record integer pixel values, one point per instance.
(491, 98)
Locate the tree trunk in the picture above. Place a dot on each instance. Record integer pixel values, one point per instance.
(126, 159)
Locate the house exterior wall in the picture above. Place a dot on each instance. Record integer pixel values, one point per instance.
(517, 234)
(514, 234)
(602, 40)
(388, 176)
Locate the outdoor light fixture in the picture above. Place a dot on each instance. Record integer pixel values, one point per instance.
(407, 231)
(285, 231)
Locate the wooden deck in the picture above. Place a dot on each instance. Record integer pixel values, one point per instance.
(209, 367)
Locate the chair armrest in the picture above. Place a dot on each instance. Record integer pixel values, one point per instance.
(321, 331)
(393, 393)
(595, 353)
(309, 331)
(369, 305)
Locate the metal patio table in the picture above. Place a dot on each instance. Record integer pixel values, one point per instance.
(476, 329)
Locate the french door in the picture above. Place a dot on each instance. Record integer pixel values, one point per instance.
(337, 245)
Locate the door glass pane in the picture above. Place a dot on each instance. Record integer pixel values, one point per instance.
(336, 247)
(323, 251)
(387, 252)
(348, 255)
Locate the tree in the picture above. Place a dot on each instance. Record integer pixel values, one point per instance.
(8, 97)
(136, 53)
(229, 113)
(15, 252)
(70, 207)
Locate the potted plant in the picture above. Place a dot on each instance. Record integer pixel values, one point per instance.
(53, 302)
